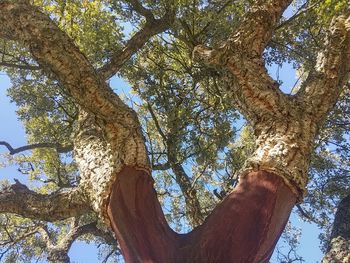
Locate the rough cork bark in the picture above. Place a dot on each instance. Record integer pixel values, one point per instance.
(112, 158)
(20, 200)
(339, 246)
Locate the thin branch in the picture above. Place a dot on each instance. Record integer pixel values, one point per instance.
(139, 8)
(3, 253)
(292, 50)
(108, 256)
(156, 122)
(18, 66)
(59, 148)
(78, 231)
(152, 27)
(302, 10)
(221, 9)
(303, 213)
(59, 250)
(43, 230)
(20, 238)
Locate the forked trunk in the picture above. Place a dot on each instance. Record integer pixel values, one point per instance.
(244, 227)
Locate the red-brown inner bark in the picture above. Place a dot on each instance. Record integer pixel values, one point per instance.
(244, 227)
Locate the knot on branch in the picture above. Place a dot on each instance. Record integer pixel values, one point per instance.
(18, 186)
(202, 54)
(14, 188)
(341, 23)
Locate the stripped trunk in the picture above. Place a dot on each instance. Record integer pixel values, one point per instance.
(112, 158)
(243, 228)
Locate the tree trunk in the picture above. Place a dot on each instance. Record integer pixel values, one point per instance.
(244, 227)
(339, 246)
(137, 219)
(111, 154)
(193, 207)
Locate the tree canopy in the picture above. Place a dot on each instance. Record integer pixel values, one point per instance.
(183, 115)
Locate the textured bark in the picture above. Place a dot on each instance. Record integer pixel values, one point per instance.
(60, 205)
(284, 148)
(276, 118)
(102, 149)
(243, 228)
(112, 158)
(241, 54)
(285, 126)
(110, 135)
(339, 246)
(325, 82)
(56, 52)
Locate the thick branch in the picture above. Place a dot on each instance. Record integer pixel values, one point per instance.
(58, 253)
(74, 233)
(18, 199)
(254, 91)
(18, 66)
(56, 52)
(139, 8)
(341, 225)
(254, 32)
(152, 27)
(59, 148)
(325, 82)
(258, 25)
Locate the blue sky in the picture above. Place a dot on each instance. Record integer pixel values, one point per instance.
(12, 131)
